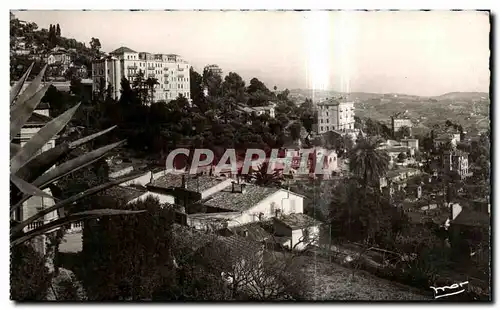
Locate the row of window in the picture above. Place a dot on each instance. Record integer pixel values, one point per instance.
(328, 128)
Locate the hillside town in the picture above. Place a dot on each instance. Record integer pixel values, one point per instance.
(96, 214)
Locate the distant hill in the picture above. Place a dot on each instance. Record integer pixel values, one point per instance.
(467, 96)
(362, 96)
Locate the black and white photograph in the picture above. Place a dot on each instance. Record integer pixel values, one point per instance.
(250, 155)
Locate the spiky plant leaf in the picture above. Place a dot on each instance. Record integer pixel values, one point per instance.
(27, 188)
(14, 90)
(44, 161)
(41, 138)
(22, 112)
(88, 138)
(30, 90)
(70, 201)
(73, 165)
(18, 239)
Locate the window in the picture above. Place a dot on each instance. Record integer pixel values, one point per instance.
(321, 128)
(322, 121)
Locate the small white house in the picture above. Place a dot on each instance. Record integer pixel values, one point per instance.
(299, 229)
(241, 204)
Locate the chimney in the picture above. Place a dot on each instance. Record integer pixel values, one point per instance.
(151, 179)
(243, 188)
(245, 233)
(232, 187)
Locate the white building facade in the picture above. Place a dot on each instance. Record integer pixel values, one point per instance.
(334, 115)
(170, 71)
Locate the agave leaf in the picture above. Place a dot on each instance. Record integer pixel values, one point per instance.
(27, 188)
(41, 138)
(105, 212)
(73, 165)
(68, 167)
(22, 112)
(14, 90)
(86, 139)
(70, 200)
(14, 148)
(43, 162)
(68, 220)
(30, 91)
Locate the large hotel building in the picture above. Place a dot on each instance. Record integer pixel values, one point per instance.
(171, 72)
(335, 115)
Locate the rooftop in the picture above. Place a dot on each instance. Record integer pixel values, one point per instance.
(472, 218)
(122, 50)
(125, 192)
(393, 173)
(396, 149)
(298, 221)
(228, 200)
(333, 102)
(193, 183)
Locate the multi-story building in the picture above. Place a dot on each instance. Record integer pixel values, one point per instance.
(458, 161)
(397, 123)
(170, 71)
(335, 115)
(215, 69)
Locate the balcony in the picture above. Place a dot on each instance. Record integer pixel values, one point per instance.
(132, 67)
(34, 225)
(151, 68)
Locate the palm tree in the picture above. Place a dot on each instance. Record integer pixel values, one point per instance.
(263, 178)
(32, 172)
(151, 82)
(367, 162)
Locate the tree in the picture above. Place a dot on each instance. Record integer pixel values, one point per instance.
(124, 263)
(151, 83)
(29, 277)
(263, 178)
(95, 45)
(212, 80)
(404, 132)
(402, 157)
(367, 162)
(233, 87)
(58, 30)
(196, 88)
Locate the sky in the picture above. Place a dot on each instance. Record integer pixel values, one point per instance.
(410, 52)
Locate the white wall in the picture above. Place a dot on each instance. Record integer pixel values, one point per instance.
(286, 203)
(162, 197)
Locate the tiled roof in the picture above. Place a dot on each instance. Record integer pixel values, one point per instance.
(193, 183)
(228, 200)
(237, 246)
(298, 221)
(125, 192)
(122, 50)
(472, 218)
